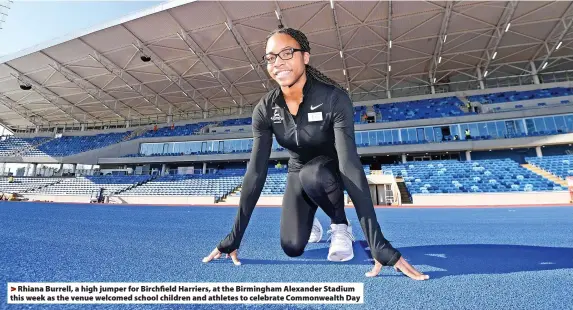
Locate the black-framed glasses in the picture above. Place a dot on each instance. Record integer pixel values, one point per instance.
(285, 54)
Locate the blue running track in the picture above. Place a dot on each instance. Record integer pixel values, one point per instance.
(478, 258)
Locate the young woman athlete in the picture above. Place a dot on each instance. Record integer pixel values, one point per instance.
(313, 118)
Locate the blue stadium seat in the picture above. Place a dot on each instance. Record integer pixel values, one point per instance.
(559, 165)
(450, 176)
(513, 96)
(70, 145)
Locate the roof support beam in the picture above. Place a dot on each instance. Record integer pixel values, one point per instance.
(279, 14)
(92, 90)
(388, 51)
(208, 63)
(341, 48)
(26, 114)
(501, 28)
(437, 57)
(169, 72)
(255, 64)
(120, 73)
(51, 97)
(565, 22)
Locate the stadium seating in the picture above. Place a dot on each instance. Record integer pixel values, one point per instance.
(217, 184)
(492, 176)
(182, 130)
(13, 144)
(236, 122)
(25, 184)
(277, 179)
(560, 165)
(276, 182)
(420, 109)
(70, 145)
(87, 185)
(513, 96)
(359, 113)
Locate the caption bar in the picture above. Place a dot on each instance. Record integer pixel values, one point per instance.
(188, 293)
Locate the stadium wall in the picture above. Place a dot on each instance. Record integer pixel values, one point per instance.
(492, 199)
(481, 199)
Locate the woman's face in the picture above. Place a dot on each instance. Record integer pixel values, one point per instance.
(285, 72)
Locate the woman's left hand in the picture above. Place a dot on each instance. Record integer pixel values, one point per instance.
(401, 265)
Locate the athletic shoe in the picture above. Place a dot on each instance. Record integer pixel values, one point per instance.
(341, 243)
(316, 232)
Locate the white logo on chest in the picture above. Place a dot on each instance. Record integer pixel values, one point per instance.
(277, 118)
(312, 108)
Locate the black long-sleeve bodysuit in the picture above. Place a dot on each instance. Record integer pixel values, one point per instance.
(322, 127)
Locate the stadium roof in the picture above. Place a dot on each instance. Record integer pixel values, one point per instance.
(207, 55)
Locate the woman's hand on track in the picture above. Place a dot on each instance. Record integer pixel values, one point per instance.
(216, 254)
(401, 265)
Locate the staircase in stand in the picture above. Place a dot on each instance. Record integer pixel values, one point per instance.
(404, 193)
(545, 174)
(224, 198)
(153, 177)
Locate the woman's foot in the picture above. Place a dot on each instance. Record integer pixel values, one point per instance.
(341, 239)
(316, 232)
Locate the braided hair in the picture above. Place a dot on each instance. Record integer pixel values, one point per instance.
(300, 37)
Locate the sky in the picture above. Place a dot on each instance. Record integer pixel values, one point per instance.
(33, 22)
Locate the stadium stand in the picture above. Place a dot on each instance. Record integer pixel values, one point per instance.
(69, 145)
(514, 96)
(23, 185)
(236, 122)
(276, 182)
(218, 184)
(87, 185)
(420, 109)
(558, 165)
(180, 130)
(492, 176)
(10, 145)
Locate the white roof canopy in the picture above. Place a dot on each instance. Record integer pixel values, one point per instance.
(207, 55)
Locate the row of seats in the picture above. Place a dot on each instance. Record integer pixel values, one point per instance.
(560, 165)
(180, 130)
(70, 145)
(12, 144)
(513, 96)
(87, 185)
(420, 109)
(452, 176)
(217, 185)
(276, 181)
(236, 122)
(24, 184)
(540, 104)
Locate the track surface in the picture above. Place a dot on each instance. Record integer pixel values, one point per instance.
(477, 258)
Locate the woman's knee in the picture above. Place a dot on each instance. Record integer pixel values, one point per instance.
(292, 249)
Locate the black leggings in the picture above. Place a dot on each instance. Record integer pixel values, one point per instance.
(317, 184)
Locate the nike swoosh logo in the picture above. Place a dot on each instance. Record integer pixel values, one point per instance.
(312, 108)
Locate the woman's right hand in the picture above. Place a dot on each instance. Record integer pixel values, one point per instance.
(216, 254)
